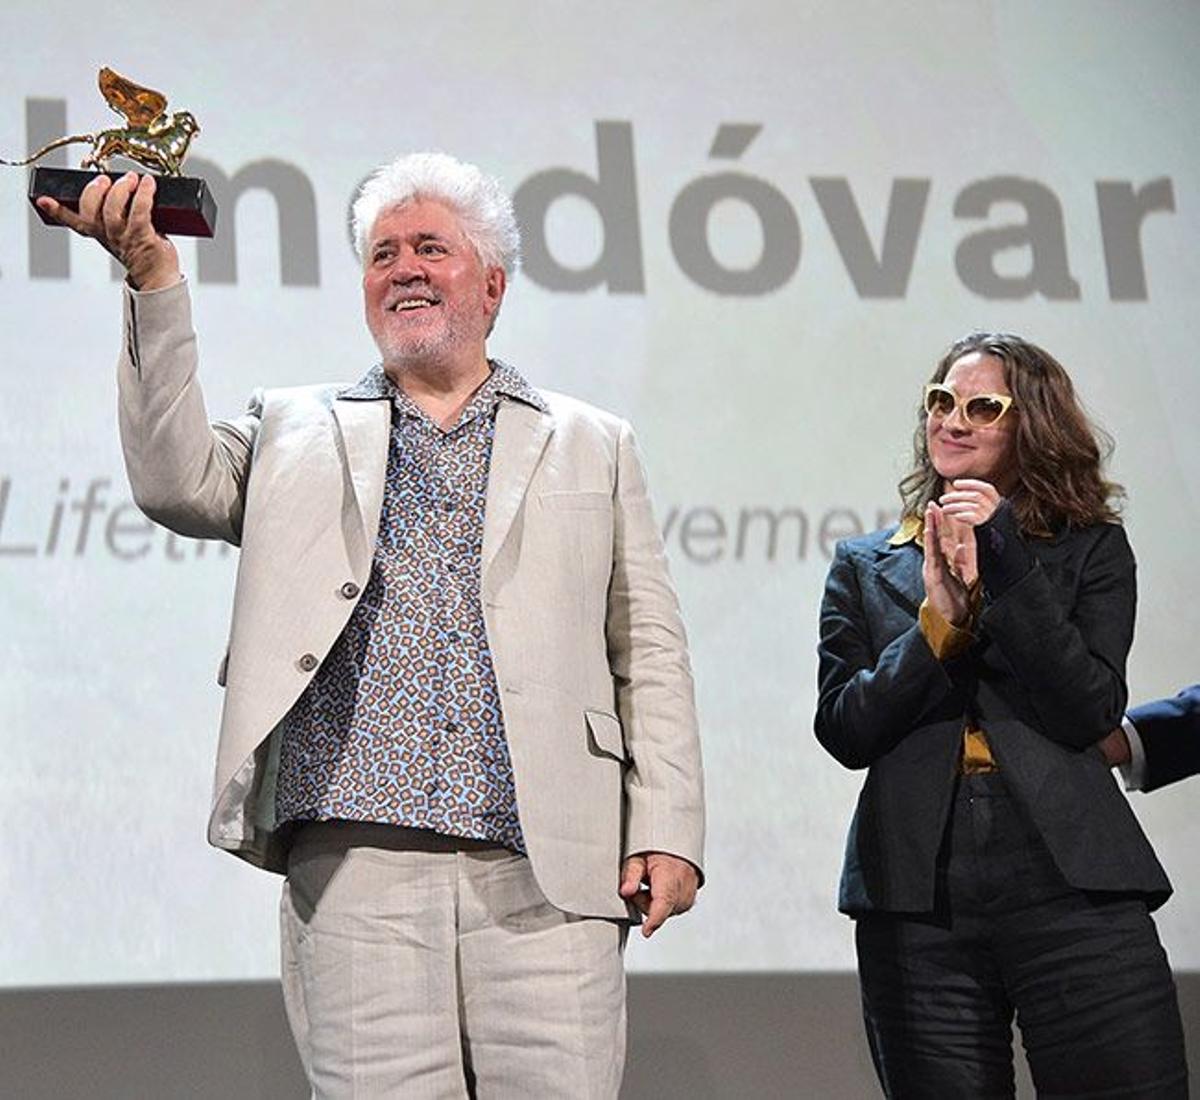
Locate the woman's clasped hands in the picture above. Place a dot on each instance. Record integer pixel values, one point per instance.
(951, 566)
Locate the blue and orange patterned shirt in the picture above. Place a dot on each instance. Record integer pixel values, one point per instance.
(401, 723)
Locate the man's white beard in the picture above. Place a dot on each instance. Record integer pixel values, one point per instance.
(401, 349)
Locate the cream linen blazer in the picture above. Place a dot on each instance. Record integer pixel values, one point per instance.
(582, 620)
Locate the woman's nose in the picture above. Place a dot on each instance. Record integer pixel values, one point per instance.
(956, 420)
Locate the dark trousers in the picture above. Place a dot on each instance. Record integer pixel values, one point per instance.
(1084, 973)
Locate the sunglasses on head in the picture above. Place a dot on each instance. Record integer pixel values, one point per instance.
(980, 410)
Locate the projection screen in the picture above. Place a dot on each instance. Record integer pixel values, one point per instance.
(750, 229)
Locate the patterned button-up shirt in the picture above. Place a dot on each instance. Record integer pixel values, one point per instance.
(401, 723)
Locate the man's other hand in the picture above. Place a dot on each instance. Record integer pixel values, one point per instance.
(660, 886)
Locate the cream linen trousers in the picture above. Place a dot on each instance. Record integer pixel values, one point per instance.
(425, 967)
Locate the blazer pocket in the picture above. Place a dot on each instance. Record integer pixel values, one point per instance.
(604, 735)
(577, 500)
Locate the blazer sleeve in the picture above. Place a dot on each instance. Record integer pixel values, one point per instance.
(185, 473)
(1170, 733)
(1070, 658)
(867, 703)
(655, 697)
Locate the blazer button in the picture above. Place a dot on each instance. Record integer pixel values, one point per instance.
(308, 662)
(349, 590)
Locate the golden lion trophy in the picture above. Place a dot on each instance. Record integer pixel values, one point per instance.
(153, 138)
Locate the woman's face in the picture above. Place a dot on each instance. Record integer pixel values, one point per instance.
(958, 449)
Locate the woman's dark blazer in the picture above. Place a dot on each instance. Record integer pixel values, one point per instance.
(1170, 733)
(1045, 680)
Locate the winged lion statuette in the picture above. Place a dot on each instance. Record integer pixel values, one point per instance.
(153, 138)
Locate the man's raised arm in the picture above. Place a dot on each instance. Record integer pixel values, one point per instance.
(186, 474)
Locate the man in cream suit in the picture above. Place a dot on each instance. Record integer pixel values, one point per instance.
(459, 710)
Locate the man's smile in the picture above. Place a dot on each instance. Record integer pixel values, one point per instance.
(407, 304)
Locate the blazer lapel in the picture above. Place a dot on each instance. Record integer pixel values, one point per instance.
(364, 426)
(899, 571)
(521, 435)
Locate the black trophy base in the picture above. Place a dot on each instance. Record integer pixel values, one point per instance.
(183, 205)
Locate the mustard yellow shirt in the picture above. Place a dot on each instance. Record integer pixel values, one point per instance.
(947, 640)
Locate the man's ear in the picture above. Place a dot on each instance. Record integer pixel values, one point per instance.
(494, 286)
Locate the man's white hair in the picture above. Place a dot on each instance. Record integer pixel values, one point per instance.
(482, 205)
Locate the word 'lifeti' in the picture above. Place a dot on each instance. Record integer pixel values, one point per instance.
(78, 522)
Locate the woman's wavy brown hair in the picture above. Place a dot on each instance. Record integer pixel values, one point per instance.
(1059, 451)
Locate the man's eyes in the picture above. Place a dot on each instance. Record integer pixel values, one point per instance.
(425, 248)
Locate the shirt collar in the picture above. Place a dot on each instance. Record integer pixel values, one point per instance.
(371, 386)
(504, 381)
(507, 381)
(911, 529)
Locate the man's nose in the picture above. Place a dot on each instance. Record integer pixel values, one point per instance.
(407, 269)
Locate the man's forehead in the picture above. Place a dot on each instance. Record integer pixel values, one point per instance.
(417, 218)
